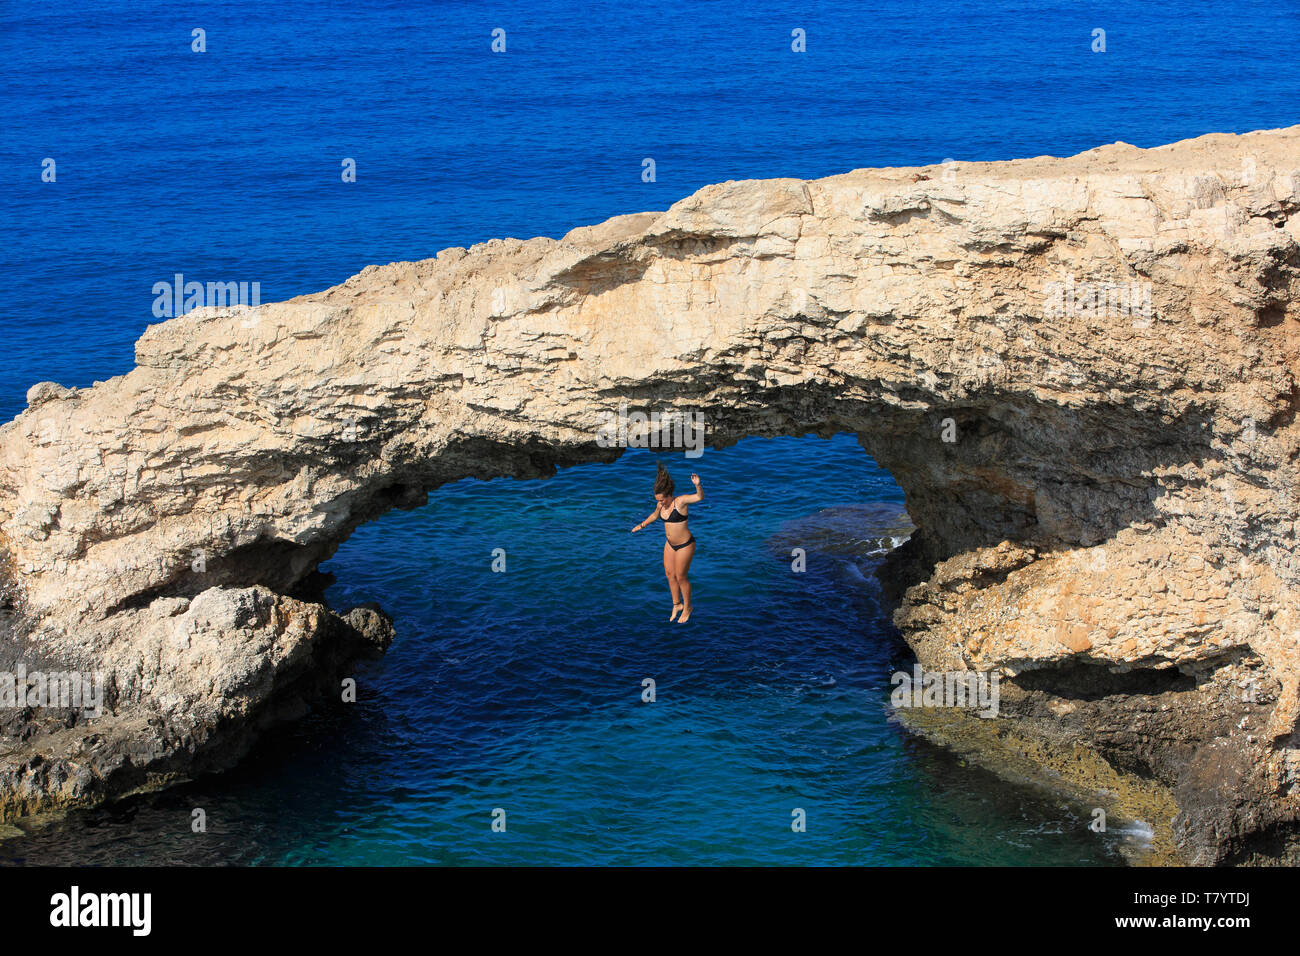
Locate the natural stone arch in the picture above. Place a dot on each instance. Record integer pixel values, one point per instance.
(1120, 493)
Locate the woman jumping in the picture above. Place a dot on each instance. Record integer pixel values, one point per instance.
(680, 546)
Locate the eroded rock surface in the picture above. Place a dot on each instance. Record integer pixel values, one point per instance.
(1105, 496)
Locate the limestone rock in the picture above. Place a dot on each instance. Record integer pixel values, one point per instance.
(1082, 372)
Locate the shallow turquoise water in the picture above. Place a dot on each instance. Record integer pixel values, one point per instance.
(522, 691)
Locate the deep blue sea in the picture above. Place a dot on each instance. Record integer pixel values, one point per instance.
(522, 690)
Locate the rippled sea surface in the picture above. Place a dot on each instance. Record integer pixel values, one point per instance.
(522, 691)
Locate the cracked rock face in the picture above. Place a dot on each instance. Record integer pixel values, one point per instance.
(1081, 371)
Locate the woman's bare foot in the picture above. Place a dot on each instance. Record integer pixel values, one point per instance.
(686, 615)
(677, 609)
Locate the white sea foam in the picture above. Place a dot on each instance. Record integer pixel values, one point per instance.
(1139, 832)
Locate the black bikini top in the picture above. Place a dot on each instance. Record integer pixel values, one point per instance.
(675, 517)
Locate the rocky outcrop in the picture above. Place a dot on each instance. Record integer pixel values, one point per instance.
(1081, 371)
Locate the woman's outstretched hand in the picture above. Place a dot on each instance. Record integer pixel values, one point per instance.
(695, 479)
(636, 528)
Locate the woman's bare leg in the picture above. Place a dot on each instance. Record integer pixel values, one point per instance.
(670, 571)
(682, 565)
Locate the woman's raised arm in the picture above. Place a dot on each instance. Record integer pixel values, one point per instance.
(699, 492)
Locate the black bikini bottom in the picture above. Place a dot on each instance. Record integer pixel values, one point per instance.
(684, 544)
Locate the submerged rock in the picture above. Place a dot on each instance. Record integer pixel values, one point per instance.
(1081, 371)
(849, 531)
